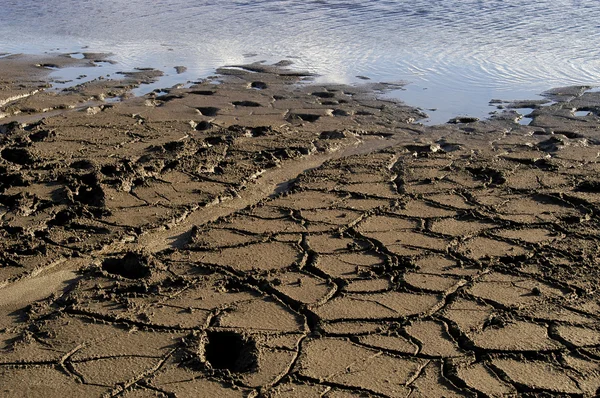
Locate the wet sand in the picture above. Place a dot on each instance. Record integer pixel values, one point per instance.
(254, 235)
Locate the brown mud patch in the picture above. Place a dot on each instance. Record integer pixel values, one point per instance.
(260, 237)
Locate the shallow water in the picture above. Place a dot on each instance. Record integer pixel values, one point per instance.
(524, 112)
(456, 55)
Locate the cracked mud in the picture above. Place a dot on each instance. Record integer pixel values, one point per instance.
(261, 237)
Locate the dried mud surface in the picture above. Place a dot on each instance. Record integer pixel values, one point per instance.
(264, 238)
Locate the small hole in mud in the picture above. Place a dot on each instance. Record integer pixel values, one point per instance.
(324, 94)
(340, 112)
(250, 104)
(570, 134)
(82, 165)
(261, 131)
(109, 170)
(41, 135)
(259, 85)
(208, 111)
(306, 117)
(364, 113)
(463, 120)
(17, 155)
(203, 126)
(230, 351)
(131, 266)
(202, 92)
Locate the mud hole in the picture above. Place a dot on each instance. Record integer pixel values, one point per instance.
(400, 260)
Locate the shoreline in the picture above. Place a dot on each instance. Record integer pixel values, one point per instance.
(441, 100)
(260, 237)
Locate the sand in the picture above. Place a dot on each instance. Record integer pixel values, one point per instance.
(256, 235)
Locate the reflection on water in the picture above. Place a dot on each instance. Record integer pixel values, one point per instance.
(457, 54)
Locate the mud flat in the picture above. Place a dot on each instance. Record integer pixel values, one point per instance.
(253, 235)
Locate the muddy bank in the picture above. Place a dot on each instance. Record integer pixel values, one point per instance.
(252, 236)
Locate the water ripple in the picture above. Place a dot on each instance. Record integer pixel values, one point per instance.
(481, 47)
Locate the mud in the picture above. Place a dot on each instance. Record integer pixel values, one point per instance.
(266, 237)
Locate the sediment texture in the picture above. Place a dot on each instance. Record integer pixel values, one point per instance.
(459, 260)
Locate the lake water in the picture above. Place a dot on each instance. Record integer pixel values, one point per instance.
(455, 55)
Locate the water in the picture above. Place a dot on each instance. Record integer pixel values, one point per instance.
(524, 112)
(456, 55)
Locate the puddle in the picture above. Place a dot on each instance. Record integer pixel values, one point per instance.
(165, 82)
(525, 120)
(445, 104)
(63, 78)
(112, 100)
(147, 88)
